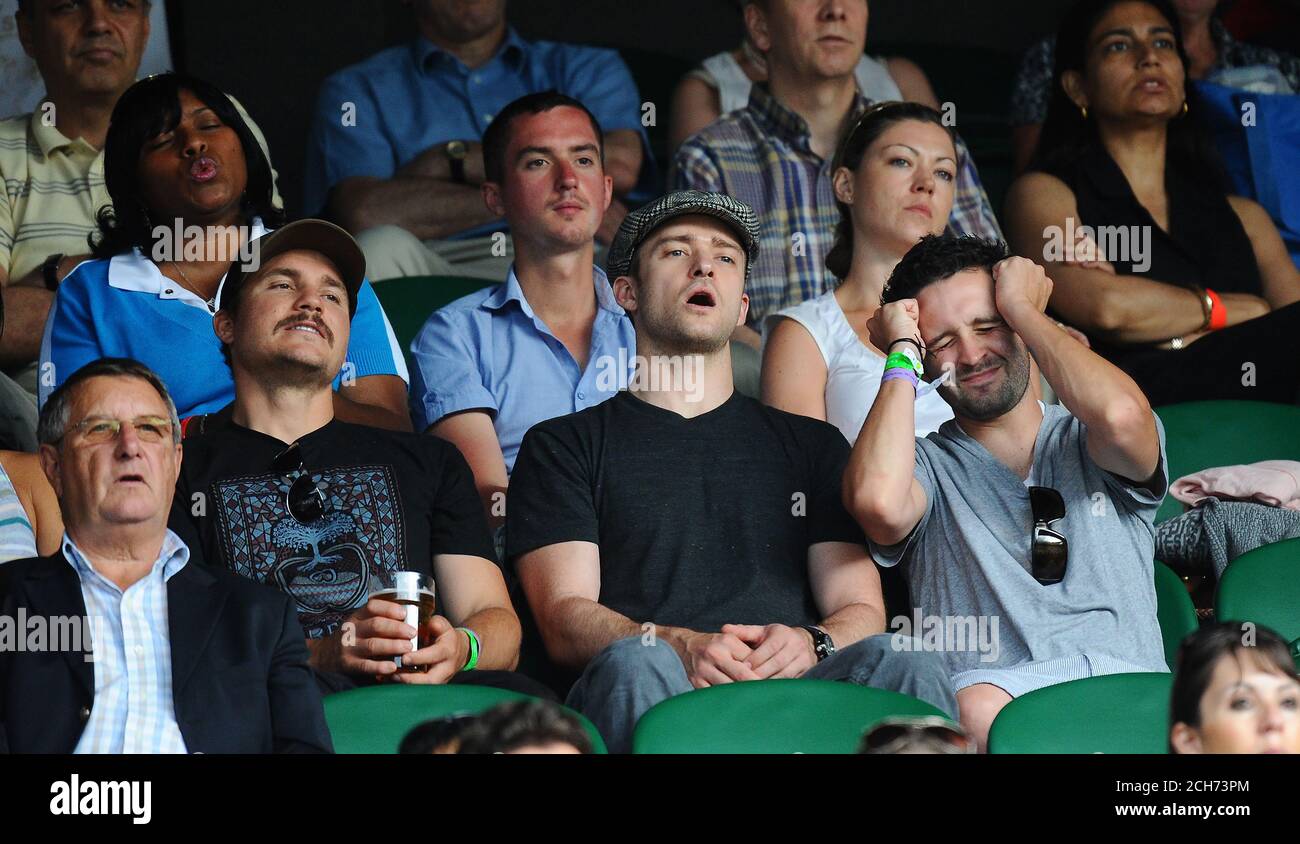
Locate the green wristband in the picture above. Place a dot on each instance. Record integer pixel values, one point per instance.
(898, 360)
(473, 649)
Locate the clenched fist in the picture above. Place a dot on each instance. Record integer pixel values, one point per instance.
(1018, 283)
(894, 321)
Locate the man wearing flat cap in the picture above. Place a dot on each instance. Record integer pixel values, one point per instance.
(681, 535)
(289, 495)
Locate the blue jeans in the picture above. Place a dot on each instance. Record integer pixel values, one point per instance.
(628, 677)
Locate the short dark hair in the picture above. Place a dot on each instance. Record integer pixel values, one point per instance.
(520, 723)
(433, 735)
(860, 135)
(148, 108)
(1201, 651)
(53, 422)
(936, 257)
(496, 139)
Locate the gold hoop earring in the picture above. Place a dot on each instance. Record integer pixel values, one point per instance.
(1084, 111)
(1184, 107)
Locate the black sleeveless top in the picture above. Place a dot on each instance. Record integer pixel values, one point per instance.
(1206, 245)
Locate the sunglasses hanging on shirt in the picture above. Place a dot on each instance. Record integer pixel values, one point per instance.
(303, 498)
(1048, 550)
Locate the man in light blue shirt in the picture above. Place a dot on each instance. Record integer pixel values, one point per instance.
(551, 340)
(394, 154)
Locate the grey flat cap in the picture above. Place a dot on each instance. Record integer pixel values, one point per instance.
(638, 225)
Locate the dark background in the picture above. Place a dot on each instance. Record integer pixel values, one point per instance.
(273, 55)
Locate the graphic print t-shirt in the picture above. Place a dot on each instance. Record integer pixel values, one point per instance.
(393, 500)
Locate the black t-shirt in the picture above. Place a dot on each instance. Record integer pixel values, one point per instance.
(394, 500)
(700, 522)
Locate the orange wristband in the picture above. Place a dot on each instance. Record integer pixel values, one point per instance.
(1218, 313)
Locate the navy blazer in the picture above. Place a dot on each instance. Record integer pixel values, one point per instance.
(240, 678)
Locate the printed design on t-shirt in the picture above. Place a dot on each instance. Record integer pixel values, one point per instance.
(328, 566)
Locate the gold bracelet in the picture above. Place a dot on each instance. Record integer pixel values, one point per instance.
(1207, 307)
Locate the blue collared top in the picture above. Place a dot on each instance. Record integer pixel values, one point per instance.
(133, 710)
(489, 351)
(125, 307)
(375, 116)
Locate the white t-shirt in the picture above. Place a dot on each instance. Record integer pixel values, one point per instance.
(852, 370)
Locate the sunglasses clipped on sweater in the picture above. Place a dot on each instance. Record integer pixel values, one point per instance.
(1049, 549)
(303, 499)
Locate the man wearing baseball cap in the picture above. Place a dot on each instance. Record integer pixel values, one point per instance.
(289, 495)
(681, 535)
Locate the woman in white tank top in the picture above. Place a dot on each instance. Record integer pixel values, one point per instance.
(893, 177)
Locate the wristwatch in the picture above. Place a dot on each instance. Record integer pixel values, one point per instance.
(822, 642)
(456, 160)
(50, 271)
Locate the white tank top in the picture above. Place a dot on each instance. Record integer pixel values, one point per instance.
(852, 370)
(723, 72)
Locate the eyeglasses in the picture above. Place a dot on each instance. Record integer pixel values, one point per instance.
(892, 735)
(102, 429)
(1049, 550)
(303, 498)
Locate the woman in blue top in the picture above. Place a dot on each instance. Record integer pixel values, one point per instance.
(190, 187)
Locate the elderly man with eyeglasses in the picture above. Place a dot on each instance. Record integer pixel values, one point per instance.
(140, 650)
(1033, 521)
(286, 494)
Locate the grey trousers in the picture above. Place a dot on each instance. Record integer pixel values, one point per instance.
(393, 252)
(17, 416)
(629, 677)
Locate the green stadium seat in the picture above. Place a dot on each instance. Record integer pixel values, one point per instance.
(1115, 713)
(1203, 434)
(1263, 586)
(409, 300)
(1174, 608)
(770, 716)
(374, 719)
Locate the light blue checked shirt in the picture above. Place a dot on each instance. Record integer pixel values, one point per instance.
(133, 710)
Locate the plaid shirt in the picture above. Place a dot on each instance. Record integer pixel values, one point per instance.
(762, 155)
(133, 710)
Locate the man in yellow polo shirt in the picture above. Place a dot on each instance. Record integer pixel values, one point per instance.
(52, 166)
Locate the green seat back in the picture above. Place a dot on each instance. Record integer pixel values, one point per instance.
(1203, 434)
(374, 719)
(1174, 608)
(1115, 713)
(409, 300)
(770, 716)
(1263, 586)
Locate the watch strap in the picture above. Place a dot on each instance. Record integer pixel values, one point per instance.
(823, 645)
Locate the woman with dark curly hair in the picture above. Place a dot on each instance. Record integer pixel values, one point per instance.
(191, 188)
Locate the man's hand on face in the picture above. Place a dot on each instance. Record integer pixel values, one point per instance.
(1019, 283)
(439, 661)
(715, 658)
(779, 651)
(894, 321)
